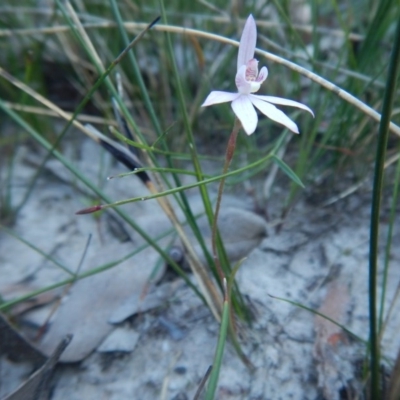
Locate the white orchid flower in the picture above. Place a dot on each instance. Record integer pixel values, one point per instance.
(248, 81)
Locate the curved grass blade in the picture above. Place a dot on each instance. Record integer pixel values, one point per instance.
(190, 186)
(287, 170)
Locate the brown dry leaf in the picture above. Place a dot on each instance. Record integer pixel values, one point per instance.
(333, 371)
(335, 306)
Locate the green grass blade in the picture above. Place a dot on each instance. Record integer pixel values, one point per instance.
(287, 170)
(186, 121)
(135, 69)
(392, 217)
(219, 352)
(35, 248)
(311, 310)
(375, 211)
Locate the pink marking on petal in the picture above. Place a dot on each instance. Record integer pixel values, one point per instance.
(252, 70)
(247, 42)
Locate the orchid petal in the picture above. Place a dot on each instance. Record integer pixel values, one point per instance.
(285, 102)
(217, 97)
(273, 113)
(246, 113)
(243, 85)
(262, 76)
(247, 42)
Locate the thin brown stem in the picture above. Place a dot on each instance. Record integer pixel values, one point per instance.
(230, 150)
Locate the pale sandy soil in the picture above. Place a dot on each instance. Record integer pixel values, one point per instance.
(318, 259)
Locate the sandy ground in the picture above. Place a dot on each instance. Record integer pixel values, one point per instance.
(161, 350)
